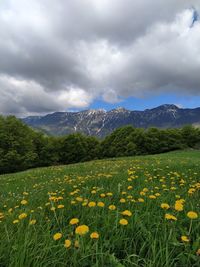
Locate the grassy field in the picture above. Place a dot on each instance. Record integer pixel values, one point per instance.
(136, 211)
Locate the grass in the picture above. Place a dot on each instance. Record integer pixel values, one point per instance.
(137, 184)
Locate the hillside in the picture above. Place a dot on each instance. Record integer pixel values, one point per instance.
(134, 211)
(101, 123)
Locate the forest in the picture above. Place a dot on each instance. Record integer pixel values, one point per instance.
(22, 148)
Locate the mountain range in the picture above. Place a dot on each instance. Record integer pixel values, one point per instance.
(100, 122)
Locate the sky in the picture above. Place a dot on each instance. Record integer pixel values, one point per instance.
(90, 54)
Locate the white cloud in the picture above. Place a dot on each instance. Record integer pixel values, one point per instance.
(65, 54)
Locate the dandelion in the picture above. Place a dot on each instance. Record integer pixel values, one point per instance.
(184, 238)
(140, 200)
(100, 204)
(22, 216)
(57, 236)
(32, 222)
(123, 222)
(112, 207)
(122, 200)
(170, 217)
(94, 235)
(67, 243)
(60, 206)
(15, 221)
(178, 206)
(126, 213)
(91, 204)
(192, 215)
(24, 202)
(82, 229)
(74, 221)
(76, 244)
(165, 206)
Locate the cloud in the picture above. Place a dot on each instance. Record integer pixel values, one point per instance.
(64, 54)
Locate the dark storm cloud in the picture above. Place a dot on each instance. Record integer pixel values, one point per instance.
(56, 55)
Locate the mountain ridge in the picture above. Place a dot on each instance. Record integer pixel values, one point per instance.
(99, 122)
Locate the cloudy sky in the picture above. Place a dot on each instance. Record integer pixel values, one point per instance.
(79, 54)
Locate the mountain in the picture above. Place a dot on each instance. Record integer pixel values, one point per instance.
(100, 122)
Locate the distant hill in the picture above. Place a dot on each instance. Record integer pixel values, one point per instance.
(100, 122)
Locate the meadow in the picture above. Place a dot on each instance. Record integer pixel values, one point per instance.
(133, 211)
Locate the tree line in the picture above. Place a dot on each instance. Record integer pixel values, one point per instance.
(22, 147)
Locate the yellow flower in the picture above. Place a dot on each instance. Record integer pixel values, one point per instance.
(192, 215)
(67, 243)
(52, 208)
(74, 221)
(22, 216)
(178, 206)
(15, 221)
(184, 238)
(126, 213)
(129, 187)
(32, 222)
(57, 236)
(91, 204)
(60, 206)
(82, 229)
(100, 204)
(94, 235)
(123, 222)
(140, 200)
(152, 197)
(102, 195)
(122, 200)
(165, 206)
(24, 202)
(170, 217)
(76, 244)
(109, 194)
(112, 207)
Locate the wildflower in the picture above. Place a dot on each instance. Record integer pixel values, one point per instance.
(60, 206)
(152, 197)
(170, 217)
(32, 222)
(126, 213)
(123, 222)
(178, 206)
(24, 202)
(100, 204)
(122, 200)
(52, 208)
(112, 207)
(67, 243)
(57, 236)
(82, 229)
(22, 216)
(129, 187)
(15, 221)
(74, 221)
(91, 204)
(102, 195)
(165, 206)
(140, 200)
(192, 215)
(94, 235)
(76, 244)
(184, 238)
(109, 194)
